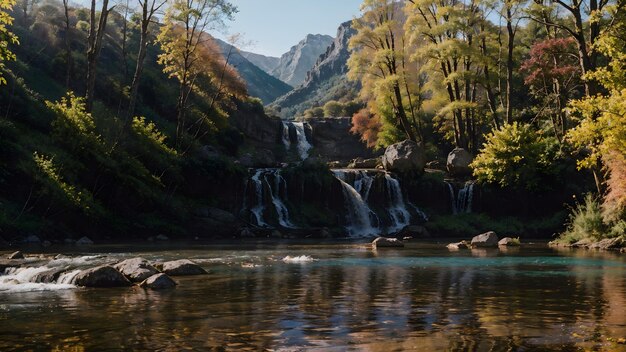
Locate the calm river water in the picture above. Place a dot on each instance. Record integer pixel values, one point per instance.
(335, 297)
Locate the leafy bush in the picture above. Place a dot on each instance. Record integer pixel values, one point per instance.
(515, 156)
(585, 222)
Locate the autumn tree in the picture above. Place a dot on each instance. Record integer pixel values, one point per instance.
(379, 62)
(94, 45)
(148, 9)
(583, 22)
(457, 51)
(188, 51)
(553, 75)
(6, 36)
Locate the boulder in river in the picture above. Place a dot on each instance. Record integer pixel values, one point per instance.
(360, 163)
(136, 269)
(385, 242)
(84, 241)
(182, 267)
(487, 239)
(404, 157)
(101, 276)
(458, 162)
(509, 241)
(158, 282)
(162, 237)
(16, 255)
(457, 246)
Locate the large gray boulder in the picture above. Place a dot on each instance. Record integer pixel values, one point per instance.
(458, 163)
(101, 276)
(404, 157)
(485, 240)
(458, 245)
(384, 242)
(608, 243)
(136, 269)
(182, 267)
(158, 282)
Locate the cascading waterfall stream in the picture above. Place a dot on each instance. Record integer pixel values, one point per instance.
(286, 138)
(462, 203)
(303, 144)
(276, 187)
(397, 208)
(359, 213)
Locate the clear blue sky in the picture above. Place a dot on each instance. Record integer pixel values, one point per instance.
(274, 26)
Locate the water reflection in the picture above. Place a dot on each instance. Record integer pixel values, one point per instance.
(420, 299)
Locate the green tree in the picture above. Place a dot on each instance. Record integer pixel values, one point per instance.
(6, 36)
(333, 108)
(513, 156)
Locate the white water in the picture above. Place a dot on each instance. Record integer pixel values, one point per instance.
(462, 203)
(303, 144)
(286, 138)
(363, 183)
(24, 280)
(275, 187)
(359, 220)
(259, 207)
(281, 209)
(299, 259)
(397, 209)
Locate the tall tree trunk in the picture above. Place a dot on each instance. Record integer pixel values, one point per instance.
(141, 56)
(94, 41)
(68, 46)
(509, 64)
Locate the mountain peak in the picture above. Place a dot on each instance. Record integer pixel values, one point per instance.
(294, 64)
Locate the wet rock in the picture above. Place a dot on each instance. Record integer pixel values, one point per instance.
(16, 255)
(182, 267)
(48, 276)
(158, 282)
(458, 163)
(508, 241)
(162, 238)
(32, 239)
(46, 243)
(220, 215)
(84, 241)
(246, 233)
(608, 243)
(68, 241)
(385, 242)
(487, 239)
(457, 245)
(360, 163)
(404, 157)
(136, 269)
(101, 276)
(584, 243)
(276, 234)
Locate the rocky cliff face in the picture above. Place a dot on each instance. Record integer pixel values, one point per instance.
(293, 66)
(332, 139)
(259, 83)
(325, 81)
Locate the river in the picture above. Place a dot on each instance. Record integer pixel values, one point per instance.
(336, 296)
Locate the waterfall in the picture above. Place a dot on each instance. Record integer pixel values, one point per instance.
(286, 137)
(397, 208)
(359, 213)
(258, 209)
(462, 203)
(276, 187)
(281, 209)
(363, 183)
(303, 144)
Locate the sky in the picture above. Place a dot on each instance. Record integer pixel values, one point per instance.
(272, 27)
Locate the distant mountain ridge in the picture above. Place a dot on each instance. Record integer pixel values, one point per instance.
(325, 81)
(260, 84)
(293, 65)
(266, 63)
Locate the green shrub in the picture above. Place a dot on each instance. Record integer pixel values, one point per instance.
(585, 221)
(516, 156)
